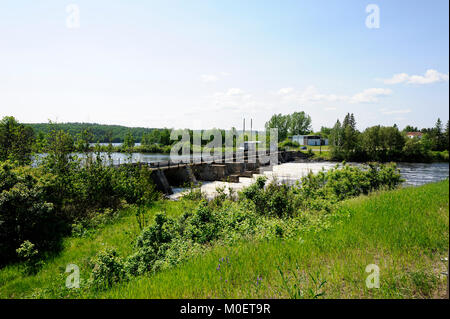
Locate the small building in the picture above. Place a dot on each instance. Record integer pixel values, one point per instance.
(414, 134)
(311, 140)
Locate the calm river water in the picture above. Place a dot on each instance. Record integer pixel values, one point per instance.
(413, 173)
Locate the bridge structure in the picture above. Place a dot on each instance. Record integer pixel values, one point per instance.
(168, 174)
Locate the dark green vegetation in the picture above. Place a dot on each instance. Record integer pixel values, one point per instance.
(376, 143)
(105, 133)
(297, 123)
(39, 204)
(266, 241)
(387, 143)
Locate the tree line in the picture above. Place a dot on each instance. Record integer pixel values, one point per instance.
(103, 133)
(375, 143)
(387, 143)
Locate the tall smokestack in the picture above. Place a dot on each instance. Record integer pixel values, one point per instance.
(251, 129)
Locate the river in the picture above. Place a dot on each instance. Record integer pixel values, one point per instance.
(413, 173)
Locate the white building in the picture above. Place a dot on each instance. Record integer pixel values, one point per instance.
(311, 140)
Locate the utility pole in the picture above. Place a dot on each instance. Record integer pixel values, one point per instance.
(320, 148)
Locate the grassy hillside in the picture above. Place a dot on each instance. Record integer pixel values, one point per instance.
(405, 232)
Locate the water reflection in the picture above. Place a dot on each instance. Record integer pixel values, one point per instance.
(413, 173)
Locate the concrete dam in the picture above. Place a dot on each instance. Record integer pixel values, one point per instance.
(166, 175)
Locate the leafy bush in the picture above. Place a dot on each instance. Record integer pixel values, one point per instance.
(108, 269)
(194, 193)
(347, 181)
(202, 225)
(275, 200)
(134, 184)
(29, 255)
(151, 245)
(288, 143)
(25, 211)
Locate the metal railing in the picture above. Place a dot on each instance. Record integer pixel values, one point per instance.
(222, 159)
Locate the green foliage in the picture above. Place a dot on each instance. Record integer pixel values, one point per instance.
(338, 246)
(293, 283)
(29, 255)
(16, 141)
(40, 204)
(288, 143)
(194, 193)
(151, 246)
(417, 149)
(274, 200)
(128, 141)
(203, 224)
(297, 123)
(108, 269)
(100, 132)
(347, 181)
(26, 210)
(384, 144)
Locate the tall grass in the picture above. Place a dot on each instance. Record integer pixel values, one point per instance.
(405, 232)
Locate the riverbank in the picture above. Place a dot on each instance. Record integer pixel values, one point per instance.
(414, 174)
(404, 232)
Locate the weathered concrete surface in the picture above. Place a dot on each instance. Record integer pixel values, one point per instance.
(178, 176)
(161, 182)
(184, 174)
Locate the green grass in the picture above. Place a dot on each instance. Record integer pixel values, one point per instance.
(405, 232)
(120, 235)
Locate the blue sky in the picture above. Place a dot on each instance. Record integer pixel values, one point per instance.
(203, 64)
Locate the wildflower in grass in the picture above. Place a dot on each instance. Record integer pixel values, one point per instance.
(218, 267)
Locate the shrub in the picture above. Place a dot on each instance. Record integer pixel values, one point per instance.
(202, 225)
(288, 143)
(275, 200)
(108, 269)
(30, 257)
(151, 245)
(194, 193)
(26, 213)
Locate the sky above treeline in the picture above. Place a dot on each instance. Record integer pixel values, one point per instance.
(203, 64)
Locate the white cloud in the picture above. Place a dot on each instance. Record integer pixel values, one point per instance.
(234, 91)
(370, 95)
(390, 112)
(284, 91)
(312, 94)
(233, 99)
(209, 78)
(431, 76)
(331, 108)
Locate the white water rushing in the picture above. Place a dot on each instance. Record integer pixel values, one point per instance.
(289, 173)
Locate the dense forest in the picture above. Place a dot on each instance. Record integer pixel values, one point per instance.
(101, 133)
